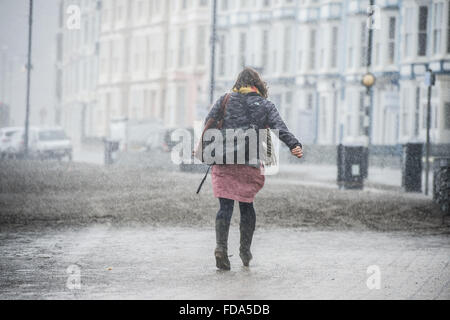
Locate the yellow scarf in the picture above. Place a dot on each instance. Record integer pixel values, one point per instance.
(246, 90)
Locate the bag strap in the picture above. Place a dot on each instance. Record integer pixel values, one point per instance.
(203, 180)
(211, 121)
(208, 125)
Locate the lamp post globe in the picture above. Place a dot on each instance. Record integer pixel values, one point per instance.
(368, 80)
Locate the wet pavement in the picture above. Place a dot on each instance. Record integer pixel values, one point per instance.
(143, 262)
(135, 230)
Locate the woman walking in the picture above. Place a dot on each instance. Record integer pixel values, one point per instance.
(239, 182)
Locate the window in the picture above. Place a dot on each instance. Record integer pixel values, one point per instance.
(422, 35)
(201, 45)
(287, 49)
(288, 98)
(437, 25)
(405, 113)
(364, 45)
(417, 113)
(322, 57)
(86, 32)
(147, 105)
(447, 116)
(274, 65)
(408, 32)
(119, 11)
(265, 49)
(312, 49)
(310, 101)
(222, 55)
(162, 113)
(242, 49)
(300, 60)
(224, 5)
(181, 106)
(105, 15)
(448, 29)
(181, 48)
(140, 9)
(350, 57)
(150, 9)
(391, 40)
(138, 55)
(351, 41)
(321, 49)
(153, 104)
(334, 47)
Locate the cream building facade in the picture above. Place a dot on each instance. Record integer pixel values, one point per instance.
(153, 61)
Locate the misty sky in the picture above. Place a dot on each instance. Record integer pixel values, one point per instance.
(14, 35)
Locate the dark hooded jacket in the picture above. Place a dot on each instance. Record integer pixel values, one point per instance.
(262, 111)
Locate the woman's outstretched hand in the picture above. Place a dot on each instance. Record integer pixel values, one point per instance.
(297, 151)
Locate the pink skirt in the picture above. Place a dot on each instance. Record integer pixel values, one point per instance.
(237, 182)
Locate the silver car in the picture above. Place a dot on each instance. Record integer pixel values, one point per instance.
(6, 135)
(43, 143)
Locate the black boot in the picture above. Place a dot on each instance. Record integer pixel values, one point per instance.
(247, 228)
(221, 252)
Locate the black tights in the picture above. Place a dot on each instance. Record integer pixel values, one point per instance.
(248, 215)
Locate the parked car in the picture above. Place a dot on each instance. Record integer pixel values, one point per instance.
(51, 143)
(161, 140)
(16, 145)
(135, 134)
(5, 139)
(44, 143)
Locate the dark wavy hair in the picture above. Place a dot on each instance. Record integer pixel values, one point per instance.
(249, 77)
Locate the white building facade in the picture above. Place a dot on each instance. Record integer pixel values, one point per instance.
(314, 54)
(426, 44)
(150, 60)
(77, 67)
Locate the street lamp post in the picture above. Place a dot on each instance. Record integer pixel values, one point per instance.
(429, 81)
(27, 114)
(369, 81)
